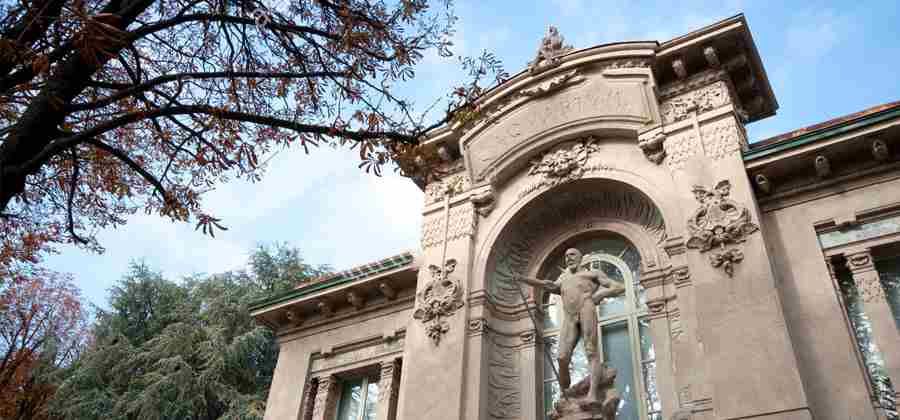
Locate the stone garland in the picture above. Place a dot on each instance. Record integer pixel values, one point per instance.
(439, 299)
(717, 223)
(567, 162)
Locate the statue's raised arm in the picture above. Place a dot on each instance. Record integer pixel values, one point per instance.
(607, 287)
(547, 285)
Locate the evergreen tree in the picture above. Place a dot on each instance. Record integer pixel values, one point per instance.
(186, 350)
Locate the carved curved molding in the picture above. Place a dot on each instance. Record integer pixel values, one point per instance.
(508, 130)
(527, 235)
(534, 86)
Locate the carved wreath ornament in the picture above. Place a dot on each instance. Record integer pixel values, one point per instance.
(718, 222)
(563, 164)
(440, 298)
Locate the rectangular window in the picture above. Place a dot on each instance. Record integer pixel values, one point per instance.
(359, 399)
(888, 268)
(862, 330)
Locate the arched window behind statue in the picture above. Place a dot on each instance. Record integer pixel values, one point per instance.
(625, 337)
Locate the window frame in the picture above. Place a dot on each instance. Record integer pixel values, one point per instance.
(364, 381)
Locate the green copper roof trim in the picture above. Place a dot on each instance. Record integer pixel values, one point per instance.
(815, 136)
(395, 262)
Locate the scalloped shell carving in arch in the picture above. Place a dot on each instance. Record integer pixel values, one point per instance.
(558, 209)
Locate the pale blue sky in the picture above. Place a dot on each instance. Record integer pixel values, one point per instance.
(824, 59)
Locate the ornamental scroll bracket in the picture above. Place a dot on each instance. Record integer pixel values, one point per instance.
(718, 225)
(440, 298)
(653, 147)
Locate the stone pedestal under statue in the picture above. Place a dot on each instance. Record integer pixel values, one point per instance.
(575, 404)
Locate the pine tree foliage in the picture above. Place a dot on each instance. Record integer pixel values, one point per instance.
(185, 350)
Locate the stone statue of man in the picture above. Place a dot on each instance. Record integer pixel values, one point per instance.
(581, 291)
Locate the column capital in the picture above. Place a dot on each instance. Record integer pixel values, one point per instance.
(860, 261)
(388, 367)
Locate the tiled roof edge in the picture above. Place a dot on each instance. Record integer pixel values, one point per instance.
(823, 130)
(341, 277)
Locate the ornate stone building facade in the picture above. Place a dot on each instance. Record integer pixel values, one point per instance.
(760, 280)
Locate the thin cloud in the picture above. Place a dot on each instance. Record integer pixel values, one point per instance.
(813, 34)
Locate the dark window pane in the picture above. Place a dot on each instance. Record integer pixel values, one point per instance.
(351, 400)
(889, 271)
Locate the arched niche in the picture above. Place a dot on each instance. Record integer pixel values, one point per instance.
(565, 211)
(625, 339)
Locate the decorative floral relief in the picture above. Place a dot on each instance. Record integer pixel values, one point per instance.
(721, 139)
(679, 148)
(564, 163)
(462, 223)
(719, 221)
(454, 184)
(726, 260)
(692, 83)
(701, 100)
(440, 298)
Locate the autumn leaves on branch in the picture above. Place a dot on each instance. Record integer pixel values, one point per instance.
(108, 107)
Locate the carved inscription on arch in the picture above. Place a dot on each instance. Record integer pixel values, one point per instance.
(618, 100)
